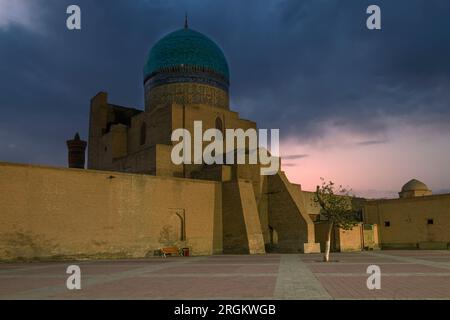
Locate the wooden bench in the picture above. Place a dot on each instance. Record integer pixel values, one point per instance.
(169, 250)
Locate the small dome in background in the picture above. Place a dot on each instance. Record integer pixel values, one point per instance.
(415, 185)
(414, 188)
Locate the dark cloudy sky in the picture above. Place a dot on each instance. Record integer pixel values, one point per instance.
(366, 108)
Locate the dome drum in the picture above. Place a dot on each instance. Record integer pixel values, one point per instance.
(186, 67)
(186, 74)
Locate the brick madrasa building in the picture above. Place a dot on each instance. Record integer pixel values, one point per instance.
(132, 199)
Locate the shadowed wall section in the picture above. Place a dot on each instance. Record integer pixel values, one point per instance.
(241, 223)
(288, 217)
(52, 212)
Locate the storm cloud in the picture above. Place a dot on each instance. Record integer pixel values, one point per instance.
(295, 65)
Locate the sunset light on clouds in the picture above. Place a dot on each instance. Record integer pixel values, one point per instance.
(367, 110)
(374, 168)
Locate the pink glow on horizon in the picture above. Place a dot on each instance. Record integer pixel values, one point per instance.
(371, 166)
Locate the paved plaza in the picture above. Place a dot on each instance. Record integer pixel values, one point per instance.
(404, 275)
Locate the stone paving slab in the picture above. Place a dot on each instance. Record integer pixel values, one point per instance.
(19, 284)
(404, 275)
(348, 258)
(48, 291)
(412, 253)
(385, 268)
(436, 259)
(186, 287)
(240, 268)
(296, 281)
(392, 287)
(414, 275)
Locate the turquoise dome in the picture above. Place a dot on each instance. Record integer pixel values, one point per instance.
(186, 48)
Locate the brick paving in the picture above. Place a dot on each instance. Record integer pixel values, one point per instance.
(404, 275)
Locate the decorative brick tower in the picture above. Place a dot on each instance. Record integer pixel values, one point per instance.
(77, 148)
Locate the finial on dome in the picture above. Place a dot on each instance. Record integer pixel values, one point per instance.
(185, 20)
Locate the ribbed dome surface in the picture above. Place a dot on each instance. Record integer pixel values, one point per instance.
(186, 48)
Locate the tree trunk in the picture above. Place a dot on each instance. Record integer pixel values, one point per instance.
(326, 257)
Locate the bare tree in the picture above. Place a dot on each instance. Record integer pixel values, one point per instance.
(336, 206)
